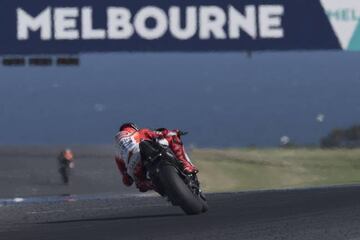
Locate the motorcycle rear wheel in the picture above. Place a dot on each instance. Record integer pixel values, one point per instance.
(178, 192)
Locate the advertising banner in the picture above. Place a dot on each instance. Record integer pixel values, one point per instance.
(78, 26)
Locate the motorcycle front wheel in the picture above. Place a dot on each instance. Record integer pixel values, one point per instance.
(178, 192)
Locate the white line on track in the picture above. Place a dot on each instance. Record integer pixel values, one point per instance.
(45, 212)
(73, 198)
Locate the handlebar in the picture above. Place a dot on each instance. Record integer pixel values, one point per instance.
(181, 133)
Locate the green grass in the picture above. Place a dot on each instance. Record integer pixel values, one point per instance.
(245, 169)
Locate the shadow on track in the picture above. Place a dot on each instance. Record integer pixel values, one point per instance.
(116, 218)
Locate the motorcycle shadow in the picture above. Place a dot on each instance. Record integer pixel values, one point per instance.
(135, 217)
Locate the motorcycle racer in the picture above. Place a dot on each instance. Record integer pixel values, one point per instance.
(128, 158)
(66, 162)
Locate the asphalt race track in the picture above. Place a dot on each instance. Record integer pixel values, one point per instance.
(318, 213)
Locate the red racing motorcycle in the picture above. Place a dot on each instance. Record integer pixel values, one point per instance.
(165, 172)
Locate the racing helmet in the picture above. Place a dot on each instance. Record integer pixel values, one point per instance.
(68, 154)
(128, 125)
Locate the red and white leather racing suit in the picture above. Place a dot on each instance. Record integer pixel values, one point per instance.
(128, 158)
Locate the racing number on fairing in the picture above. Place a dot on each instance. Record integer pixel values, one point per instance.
(128, 144)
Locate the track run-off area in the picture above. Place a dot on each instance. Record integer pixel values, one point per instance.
(315, 213)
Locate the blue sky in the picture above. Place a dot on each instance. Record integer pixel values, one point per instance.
(223, 99)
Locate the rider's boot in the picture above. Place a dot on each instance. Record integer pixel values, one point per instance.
(179, 151)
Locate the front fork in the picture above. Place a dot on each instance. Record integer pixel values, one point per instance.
(193, 183)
